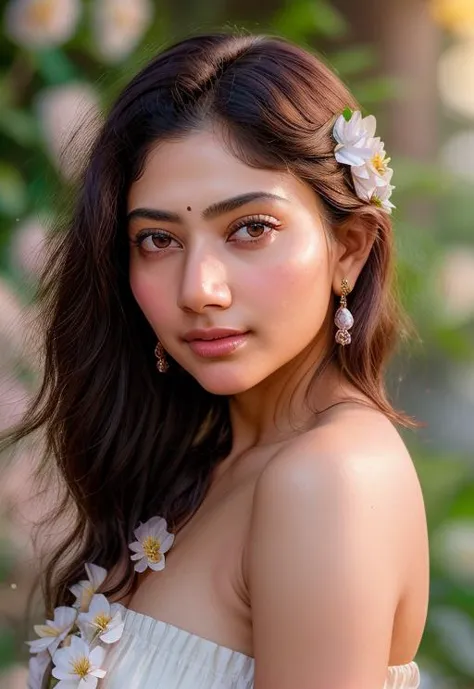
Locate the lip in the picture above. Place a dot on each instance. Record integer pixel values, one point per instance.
(211, 333)
(225, 342)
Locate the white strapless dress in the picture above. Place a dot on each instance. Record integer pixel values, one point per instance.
(157, 655)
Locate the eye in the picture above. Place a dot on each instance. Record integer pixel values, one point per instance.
(251, 230)
(153, 242)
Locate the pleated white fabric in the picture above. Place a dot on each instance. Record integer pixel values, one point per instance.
(157, 655)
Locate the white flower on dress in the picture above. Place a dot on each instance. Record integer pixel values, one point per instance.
(78, 666)
(85, 589)
(103, 621)
(42, 23)
(37, 667)
(119, 25)
(153, 541)
(69, 116)
(54, 631)
(358, 147)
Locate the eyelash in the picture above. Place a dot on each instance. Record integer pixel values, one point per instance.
(264, 220)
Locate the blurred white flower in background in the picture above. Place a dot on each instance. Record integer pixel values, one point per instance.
(456, 78)
(70, 116)
(457, 154)
(41, 23)
(455, 282)
(119, 25)
(27, 246)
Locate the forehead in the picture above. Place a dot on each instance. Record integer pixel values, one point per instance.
(199, 169)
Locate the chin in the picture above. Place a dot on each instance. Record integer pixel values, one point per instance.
(224, 380)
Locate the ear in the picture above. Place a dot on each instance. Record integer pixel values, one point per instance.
(354, 241)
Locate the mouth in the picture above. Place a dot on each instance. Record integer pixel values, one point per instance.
(212, 344)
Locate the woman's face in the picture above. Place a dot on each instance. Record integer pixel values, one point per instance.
(219, 244)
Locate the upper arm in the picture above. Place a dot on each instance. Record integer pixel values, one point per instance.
(322, 572)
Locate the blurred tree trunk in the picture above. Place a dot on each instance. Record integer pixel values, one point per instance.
(408, 42)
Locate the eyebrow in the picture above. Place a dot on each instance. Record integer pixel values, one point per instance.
(214, 210)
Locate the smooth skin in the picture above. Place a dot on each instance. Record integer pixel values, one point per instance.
(334, 566)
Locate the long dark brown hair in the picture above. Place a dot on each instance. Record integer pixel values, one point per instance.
(129, 443)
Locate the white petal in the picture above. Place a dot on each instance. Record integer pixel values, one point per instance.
(364, 188)
(36, 668)
(96, 656)
(99, 603)
(167, 542)
(96, 575)
(141, 565)
(67, 684)
(77, 589)
(156, 523)
(361, 171)
(136, 546)
(141, 532)
(339, 127)
(352, 155)
(40, 645)
(88, 682)
(114, 634)
(137, 556)
(59, 673)
(64, 617)
(61, 659)
(370, 125)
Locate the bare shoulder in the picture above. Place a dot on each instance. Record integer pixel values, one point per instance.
(353, 471)
(354, 447)
(336, 546)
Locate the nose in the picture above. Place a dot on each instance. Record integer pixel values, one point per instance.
(204, 284)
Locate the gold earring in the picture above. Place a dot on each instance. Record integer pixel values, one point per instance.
(343, 317)
(161, 364)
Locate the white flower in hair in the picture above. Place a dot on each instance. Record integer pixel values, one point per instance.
(86, 588)
(153, 541)
(353, 136)
(77, 666)
(104, 620)
(54, 631)
(365, 154)
(381, 198)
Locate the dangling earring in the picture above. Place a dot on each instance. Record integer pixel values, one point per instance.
(344, 318)
(161, 364)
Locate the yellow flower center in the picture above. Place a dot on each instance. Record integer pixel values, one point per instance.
(151, 547)
(81, 667)
(101, 621)
(380, 163)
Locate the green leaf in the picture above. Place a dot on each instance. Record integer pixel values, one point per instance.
(376, 90)
(13, 197)
(353, 60)
(55, 67)
(347, 114)
(19, 125)
(302, 19)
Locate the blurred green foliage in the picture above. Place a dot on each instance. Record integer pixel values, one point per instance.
(29, 184)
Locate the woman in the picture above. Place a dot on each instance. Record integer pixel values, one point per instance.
(234, 220)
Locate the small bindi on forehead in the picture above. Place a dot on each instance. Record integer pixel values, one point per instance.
(188, 208)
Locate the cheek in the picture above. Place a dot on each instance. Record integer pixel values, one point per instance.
(298, 283)
(149, 296)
